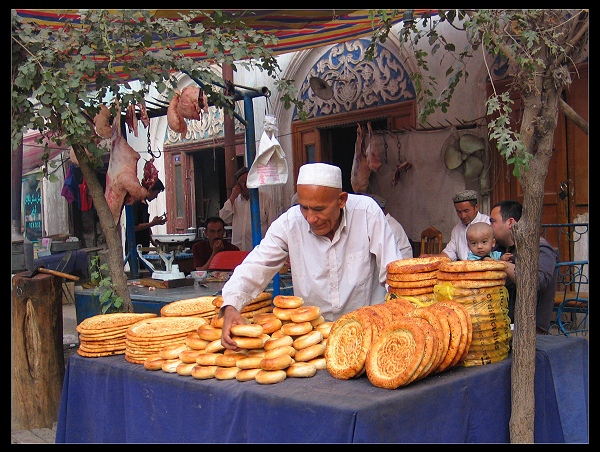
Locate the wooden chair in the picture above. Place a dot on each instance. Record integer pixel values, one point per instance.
(431, 241)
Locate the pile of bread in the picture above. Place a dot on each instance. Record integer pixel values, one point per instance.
(285, 339)
(396, 343)
(437, 315)
(479, 287)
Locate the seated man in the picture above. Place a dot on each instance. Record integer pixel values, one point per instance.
(503, 216)
(205, 250)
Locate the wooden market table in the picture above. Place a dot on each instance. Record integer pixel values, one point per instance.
(108, 400)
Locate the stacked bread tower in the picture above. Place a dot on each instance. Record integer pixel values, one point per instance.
(283, 338)
(414, 278)
(479, 287)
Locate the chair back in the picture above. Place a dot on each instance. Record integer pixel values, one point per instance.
(227, 260)
(431, 241)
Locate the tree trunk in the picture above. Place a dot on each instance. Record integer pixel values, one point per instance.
(37, 360)
(110, 229)
(540, 117)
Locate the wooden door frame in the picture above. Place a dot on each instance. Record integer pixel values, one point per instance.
(308, 133)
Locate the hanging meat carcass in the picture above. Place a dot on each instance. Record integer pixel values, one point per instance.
(174, 119)
(372, 150)
(102, 122)
(144, 114)
(150, 174)
(188, 105)
(122, 184)
(359, 176)
(131, 119)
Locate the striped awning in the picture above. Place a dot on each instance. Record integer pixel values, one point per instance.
(295, 29)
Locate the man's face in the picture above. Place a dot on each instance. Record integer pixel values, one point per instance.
(152, 194)
(242, 183)
(321, 206)
(466, 212)
(501, 228)
(214, 231)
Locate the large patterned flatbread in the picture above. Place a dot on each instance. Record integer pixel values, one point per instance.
(397, 354)
(348, 344)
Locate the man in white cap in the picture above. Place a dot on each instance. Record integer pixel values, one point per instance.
(338, 245)
(467, 209)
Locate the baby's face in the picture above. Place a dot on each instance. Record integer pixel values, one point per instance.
(481, 244)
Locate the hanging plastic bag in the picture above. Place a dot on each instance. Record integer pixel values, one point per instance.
(269, 166)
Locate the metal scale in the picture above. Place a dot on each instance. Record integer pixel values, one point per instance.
(167, 246)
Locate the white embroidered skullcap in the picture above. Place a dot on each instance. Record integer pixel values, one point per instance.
(320, 174)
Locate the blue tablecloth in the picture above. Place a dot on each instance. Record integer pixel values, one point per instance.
(76, 263)
(108, 400)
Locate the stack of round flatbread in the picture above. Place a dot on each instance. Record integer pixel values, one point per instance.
(262, 303)
(148, 337)
(396, 343)
(414, 277)
(198, 307)
(104, 334)
(479, 287)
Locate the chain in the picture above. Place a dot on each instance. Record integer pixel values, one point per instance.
(150, 147)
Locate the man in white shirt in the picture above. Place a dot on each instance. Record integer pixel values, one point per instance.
(402, 239)
(236, 211)
(467, 209)
(339, 245)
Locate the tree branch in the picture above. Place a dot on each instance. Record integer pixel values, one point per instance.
(573, 116)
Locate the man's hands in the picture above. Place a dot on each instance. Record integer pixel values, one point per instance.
(217, 246)
(158, 220)
(235, 192)
(230, 317)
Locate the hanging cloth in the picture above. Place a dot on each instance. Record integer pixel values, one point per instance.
(269, 166)
(84, 195)
(69, 186)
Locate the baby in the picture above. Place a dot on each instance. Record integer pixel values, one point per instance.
(481, 241)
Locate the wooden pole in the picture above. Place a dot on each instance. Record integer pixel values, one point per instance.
(37, 360)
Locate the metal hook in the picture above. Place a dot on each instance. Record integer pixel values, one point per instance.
(150, 147)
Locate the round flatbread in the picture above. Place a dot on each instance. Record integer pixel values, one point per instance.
(441, 345)
(348, 344)
(412, 276)
(476, 283)
(448, 315)
(412, 284)
(417, 300)
(486, 274)
(466, 330)
(416, 264)
(472, 266)
(395, 356)
(111, 322)
(412, 291)
(188, 307)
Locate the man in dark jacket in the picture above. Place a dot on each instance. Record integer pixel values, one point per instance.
(503, 216)
(141, 218)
